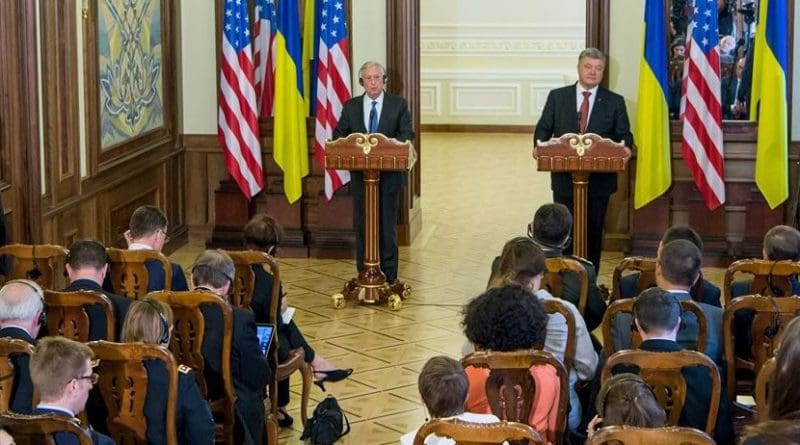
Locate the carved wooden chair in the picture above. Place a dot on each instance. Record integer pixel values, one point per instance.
(42, 263)
(662, 371)
(67, 316)
(762, 388)
(631, 435)
(10, 348)
(244, 283)
(770, 316)
(554, 278)
(768, 277)
(186, 345)
(469, 433)
(625, 305)
(123, 387)
(646, 267)
(510, 386)
(128, 274)
(553, 306)
(39, 429)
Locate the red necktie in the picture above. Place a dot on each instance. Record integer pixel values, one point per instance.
(585, 110)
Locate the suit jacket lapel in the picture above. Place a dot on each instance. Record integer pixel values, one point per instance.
(360, 114)
(598, 107)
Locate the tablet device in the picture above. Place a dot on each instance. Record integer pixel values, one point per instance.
(265, 331)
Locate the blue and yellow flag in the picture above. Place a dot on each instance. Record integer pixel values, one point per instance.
(768, 101)
(289, 138)
(309, 76)
(653, 175)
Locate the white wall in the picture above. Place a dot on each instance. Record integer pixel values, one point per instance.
(198, 67)
(484, 65)
(625, 42)
(368, 36)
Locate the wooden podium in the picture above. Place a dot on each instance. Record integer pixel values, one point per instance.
(371, 153)
(581, 155)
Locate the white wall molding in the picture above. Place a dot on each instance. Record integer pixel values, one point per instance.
(502, 40)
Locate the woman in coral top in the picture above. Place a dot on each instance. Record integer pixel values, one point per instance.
(509, 318)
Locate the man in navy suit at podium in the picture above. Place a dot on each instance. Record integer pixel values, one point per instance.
(377, 111)
(586, 107)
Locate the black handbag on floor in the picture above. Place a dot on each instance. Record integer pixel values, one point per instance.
(328, 423)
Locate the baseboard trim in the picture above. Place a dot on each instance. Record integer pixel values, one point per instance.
(476, 128)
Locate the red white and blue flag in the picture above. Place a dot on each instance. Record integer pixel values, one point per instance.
(237, 119)
(701, 108)
(264, 55)
(333, 83)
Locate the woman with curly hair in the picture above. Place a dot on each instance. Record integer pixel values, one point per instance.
(509, 318)
(783, 399)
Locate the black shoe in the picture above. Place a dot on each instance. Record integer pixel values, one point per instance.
(286, 421)
(334, 375)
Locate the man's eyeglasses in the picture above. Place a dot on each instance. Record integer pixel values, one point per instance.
(166, 237)
(93, 377)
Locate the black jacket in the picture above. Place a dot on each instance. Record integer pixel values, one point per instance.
(22, 392)
(97, 318)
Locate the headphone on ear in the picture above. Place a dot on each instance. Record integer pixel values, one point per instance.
(164, 339)
(361, 79)
(38, 290)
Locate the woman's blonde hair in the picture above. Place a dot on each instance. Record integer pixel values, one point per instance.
(145, 322)
(520, 261)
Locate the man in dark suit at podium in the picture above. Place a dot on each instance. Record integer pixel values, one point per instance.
(377, 111)
(586, 107)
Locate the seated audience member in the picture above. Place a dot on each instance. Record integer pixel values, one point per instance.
(147, 230)
(213, 272)
(61, 370)
(551, 229)
(780, 243)
(677, 269)
(523, 263)
(657, 318)
(783, 400)
(710, 293)
(625, 399)
(264, 233)
(150, 321)
(87, 266)
(22, 315)
(443, 386)
(509, 318)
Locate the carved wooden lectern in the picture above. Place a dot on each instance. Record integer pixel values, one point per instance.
(371, 153)
(581, 155)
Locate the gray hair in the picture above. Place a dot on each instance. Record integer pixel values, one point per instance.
(213, 268)
(20, 300)
(592, 53)
(370, 64)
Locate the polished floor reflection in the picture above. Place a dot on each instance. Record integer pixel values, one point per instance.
(478, 191)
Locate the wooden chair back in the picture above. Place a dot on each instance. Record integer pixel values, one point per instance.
(244, 281)
(47, 259)
(770, 316)
(128, 273)
(553, 306)
(625, 305)
(763, 378)
(186, 345)
(631, 435)
(67, 316)
(554, 278)
(768, 277)
(469, 433)
(646, 267)
(10, 347)
(40, 429)
(510, 387)
(663, 372)
(123, 387)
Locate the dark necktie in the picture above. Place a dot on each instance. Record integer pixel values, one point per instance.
(585, 110)
(373, 117)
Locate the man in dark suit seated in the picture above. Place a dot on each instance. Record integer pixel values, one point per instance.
(61, 370)
(677, 269)
(213, 271)
(710, 293)
(147, 230)
(22, 315)
(377, 111)
(87, 266)
(732, 107)
(586, 107)
(657, 317)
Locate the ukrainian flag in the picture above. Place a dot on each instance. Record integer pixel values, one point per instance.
(768, 98)
(289, 138)
(653, 175)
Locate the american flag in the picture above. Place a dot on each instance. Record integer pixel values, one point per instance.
(701, 109)
(264, 55)
(237, 123)
(333, 84)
